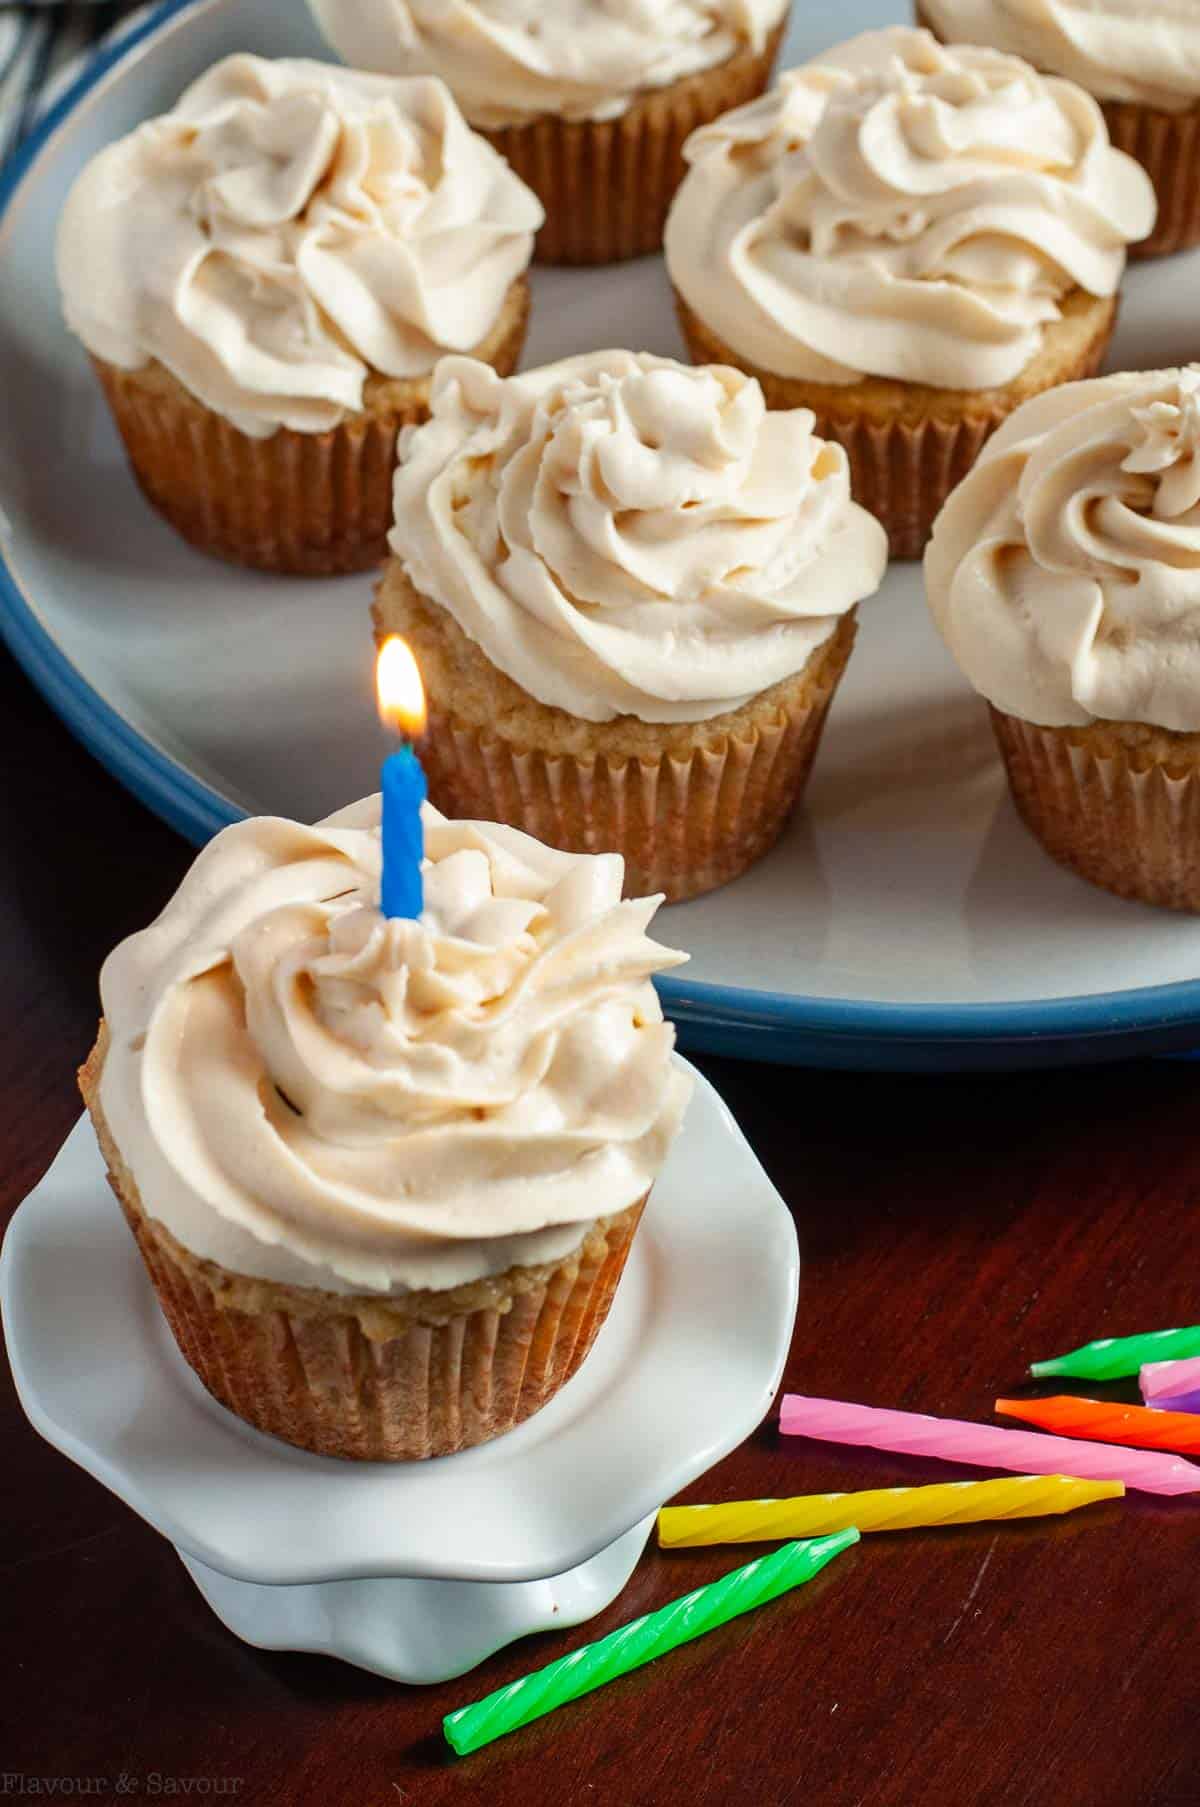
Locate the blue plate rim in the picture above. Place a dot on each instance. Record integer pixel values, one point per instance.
(746, 1020)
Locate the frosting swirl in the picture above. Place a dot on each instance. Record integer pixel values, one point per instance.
(1141, 50)
(308, 1092)
(288, 229)
(511, 60)
(624, 535)
(1064, 572)
(903, 210)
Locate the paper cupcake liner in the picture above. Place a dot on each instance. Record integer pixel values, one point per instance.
(322, 1383)
(901, 469)
(685, 824)
(1167, 145)
(1129, 826)
(305, 504)
(376, 1380)
(607, 184)
(309, 504)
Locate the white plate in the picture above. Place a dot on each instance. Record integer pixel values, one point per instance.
(906, 919)
(684, 1369)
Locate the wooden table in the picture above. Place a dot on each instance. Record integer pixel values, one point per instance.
(951, 1228)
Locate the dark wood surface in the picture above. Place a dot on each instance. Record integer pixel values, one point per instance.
(951, 1228)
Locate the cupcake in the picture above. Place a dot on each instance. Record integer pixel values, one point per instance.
(631, 592)
(911, 241)
(265, 278)
(590, 101)
(385, 1174)
(1141, 62)
(1064, 574)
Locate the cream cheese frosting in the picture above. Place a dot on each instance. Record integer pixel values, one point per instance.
(1064, 572)
(1146, 51)
(512, 60)
(901, 209)
(309, 1093)
(288, 229)
(624, 535)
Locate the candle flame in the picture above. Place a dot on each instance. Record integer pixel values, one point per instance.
(399, 688)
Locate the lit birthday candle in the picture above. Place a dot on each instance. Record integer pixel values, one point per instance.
(1172, 1386)
(1130, 1424)
(879, 1509)
(1116, 1357)
(402, 708)
(984, 1445)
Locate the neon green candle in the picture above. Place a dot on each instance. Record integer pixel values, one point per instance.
(1115, 1357)
(630, 1646)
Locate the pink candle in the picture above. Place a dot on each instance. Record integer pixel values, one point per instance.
(984, 1445)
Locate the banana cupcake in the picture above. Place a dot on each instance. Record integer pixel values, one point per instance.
(1064, 575)
(1139, 58)
(631, 593)
(265, 278)
(590, 100)
(910, 240)
(385, 1174)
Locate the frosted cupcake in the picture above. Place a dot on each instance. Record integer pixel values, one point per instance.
(385, 1174)
(911, 241)
(265, 278)
(631, 593)
(1064, 575)
(589, 100)
(1141, 61)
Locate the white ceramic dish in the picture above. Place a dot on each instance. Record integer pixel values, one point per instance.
(906, 920)
(417, 1631)
(684, 1369)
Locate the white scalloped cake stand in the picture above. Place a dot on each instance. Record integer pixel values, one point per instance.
(416, 1571)
(417, 1631)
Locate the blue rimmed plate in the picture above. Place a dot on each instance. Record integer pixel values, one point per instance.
(906, 921)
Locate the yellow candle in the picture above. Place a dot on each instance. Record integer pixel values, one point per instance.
(884, 1509)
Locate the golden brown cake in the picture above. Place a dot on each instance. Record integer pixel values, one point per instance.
(591, 103)
(1118, 802)
(915, 318)
(689, 805)
(1063, 576)
(630, 589)
(369, 1231)
(397, 1380)
(265, 278)
(309, 504)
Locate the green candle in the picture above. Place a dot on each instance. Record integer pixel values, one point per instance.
(632, 1645)
(1118, 1356)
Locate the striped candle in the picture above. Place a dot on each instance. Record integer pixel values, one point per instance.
(1124, 1424)
(984, 1445)
(1116, 1357)
(879, 1509)
(640, 1642)
(1173, 1386)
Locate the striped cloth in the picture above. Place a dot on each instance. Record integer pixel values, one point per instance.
(41, 49)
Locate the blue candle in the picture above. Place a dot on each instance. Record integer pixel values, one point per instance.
(401, 891)
(402, 706)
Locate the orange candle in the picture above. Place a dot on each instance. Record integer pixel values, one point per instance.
(1091, 1418)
